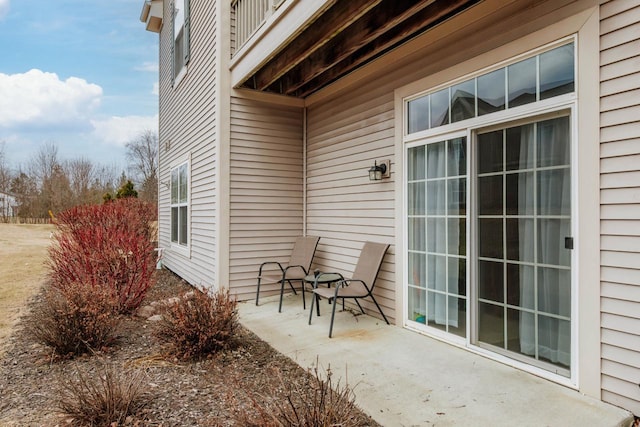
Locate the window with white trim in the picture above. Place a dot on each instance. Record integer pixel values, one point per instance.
(489, 213)
(180, 47)
(180, 204)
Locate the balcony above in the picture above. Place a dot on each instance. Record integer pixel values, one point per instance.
(337, 40)
(151, 15)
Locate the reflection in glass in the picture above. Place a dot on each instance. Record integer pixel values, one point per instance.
(557, 72)
(457, 197)
(457, 157)
(491, 281)
(490, 238)
(416, 164)
(439, 108)
(491, 324)
(490, 200)
(490, 152)
(436, 159)
(183, 225)
(519, 147)
(174, 224)
(553, 142)
(522, 82)
(491, 92)
(463, 101)
(418, 113)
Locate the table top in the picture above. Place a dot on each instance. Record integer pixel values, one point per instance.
(324, 278)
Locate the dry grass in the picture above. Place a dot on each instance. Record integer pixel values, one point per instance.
(23, 250)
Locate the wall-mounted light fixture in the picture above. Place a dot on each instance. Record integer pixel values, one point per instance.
(379, 171)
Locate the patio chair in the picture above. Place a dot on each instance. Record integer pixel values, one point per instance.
(359, 286)
(296, 270)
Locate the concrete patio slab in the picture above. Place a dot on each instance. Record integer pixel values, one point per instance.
(402, 378)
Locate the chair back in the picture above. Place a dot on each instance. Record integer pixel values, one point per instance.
(369, 263)
(303, 251)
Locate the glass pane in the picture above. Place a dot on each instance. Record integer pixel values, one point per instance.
(436, 158)
(457, 197)
(417, 233)
(551, 234)
(491, 92)
(520, 193)
(520, 239)
(436, 235)
(554, 142)
(416, 163)
(457, 157)
(554, 192)
(437, 312)
(174, 186)
(554, 291)
(519, 147)
(491, 324)
(491, 280)
(457, 316)
(490, 238)
(521, 285)
(457, 236)
(556, 72)
(174, 224)
(418, 112)
(490, 200)
(522, 82)
(436, 194)
(183, 184)
(554, 341)
(417, 269)
(457, 276)
(490, 152)
(417, 305)
(520, 330)
(183, 225)
(440, 108)
(437, 272)
(463, 101)
(415, 198)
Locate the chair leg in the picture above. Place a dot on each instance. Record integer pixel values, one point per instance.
(333, 314)
(379, 309)
(314, 297)
(258, 290)
(304, 299)
(281, 294)
(356, 300)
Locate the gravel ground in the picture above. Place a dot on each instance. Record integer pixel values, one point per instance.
(224, 390)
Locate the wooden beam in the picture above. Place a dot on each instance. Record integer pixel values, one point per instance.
(433, 15)
(334, 21)
(373, 24)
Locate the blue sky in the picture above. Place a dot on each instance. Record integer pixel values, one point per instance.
(79, 73)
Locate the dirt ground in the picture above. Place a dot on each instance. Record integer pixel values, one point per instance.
(23, 250)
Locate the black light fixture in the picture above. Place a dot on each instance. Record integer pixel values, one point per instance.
(379, 171)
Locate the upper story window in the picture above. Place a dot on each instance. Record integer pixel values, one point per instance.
(180, 46)
(539, 77)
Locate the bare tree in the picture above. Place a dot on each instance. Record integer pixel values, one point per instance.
(5, 184)
(44, 163)
(81, 173)
(142, 154)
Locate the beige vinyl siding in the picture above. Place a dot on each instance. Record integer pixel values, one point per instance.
(266, 189)
(188, 129)
(345, 135)
(620, 202)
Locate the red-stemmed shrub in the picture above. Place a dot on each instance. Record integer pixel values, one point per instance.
(109, 246)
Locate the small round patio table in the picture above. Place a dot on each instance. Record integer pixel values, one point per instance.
(319, 278)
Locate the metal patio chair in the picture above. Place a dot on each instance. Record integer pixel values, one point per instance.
(295, 271)
(359, 286)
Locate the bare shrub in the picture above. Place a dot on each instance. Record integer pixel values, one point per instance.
(202, 324)
(106, 246)
(75, 320)
(102, 398)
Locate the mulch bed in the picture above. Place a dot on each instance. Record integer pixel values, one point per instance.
(225, 389)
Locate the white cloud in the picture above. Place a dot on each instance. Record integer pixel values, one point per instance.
(156, 89)
(151, 67)
(5, 5)
(38, 99)
(120, 130)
